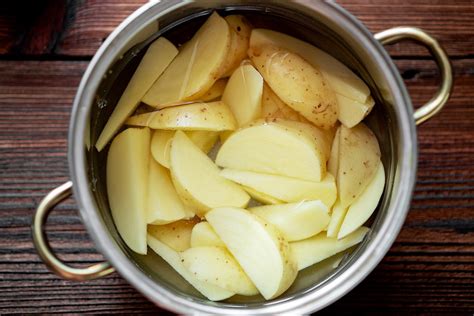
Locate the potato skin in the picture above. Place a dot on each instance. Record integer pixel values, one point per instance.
(297, 83)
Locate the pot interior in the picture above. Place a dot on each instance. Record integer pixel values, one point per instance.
(178, 26)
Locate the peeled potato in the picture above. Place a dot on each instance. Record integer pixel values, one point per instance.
(363, 207)
(216, 265)
(158, 56)
(317, 248)
(161, 145)
(285, 188)
(240, 30)
(352, 112)
(215, 91)
(172, 257)
(243, 94)
(176, 235)
(295, 221)
(196, 68)
(273, 149)
(197, 178)
(205, 140)
(213, 116)
(297, 83)
(341, 79)
(359, 158)
(337, 217)
(261, 197)
(203, 235)
(258, 247)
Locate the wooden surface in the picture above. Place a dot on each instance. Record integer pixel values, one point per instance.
(430, 268)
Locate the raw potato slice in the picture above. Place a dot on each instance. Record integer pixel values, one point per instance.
(359, 158)
(295, 221)
(203, 235)
(261, 197)
(273, 107)
(285, 188)
(352, 112)
(240, 30)
(258, 247)
(215, 91)
(297, 83)
(317, 248)
(197, 178)
(176, 235)
(172, 257)
(342, 80)
(127, 185)
(333, 162)
(203, 139)
(196, 68)
(216, 265)
(164, 204)
(362, 208)
(161, 145)
(213, 116)
(158, 56)
(243, 94)
(337, 217)
(273, 149)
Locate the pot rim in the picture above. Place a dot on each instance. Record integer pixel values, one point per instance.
(302, 303)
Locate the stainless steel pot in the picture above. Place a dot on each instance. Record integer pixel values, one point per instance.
(324, 24)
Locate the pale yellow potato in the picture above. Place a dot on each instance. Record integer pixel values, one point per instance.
(197, 178)
(258, 247)
(342, 80)
(158, 56)
(216, 266)
(161, 146)
(205, 140)
(273, 107)
(274, 149)
(127, 185)
(172, 257)
(243, 94)
(317, 248)
(295, 221)
(359, 158)
(240, 30)
(363, 207)
(352, 112)
(164, 205)
(333, 162)
(196, 68)
(176, 235)
(285, 188)
(200, 116)
(297, 83)
(215, 92)
(261, 197)
(203, 235)
(337, 217)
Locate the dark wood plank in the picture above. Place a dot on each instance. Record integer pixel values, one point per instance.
(430, 269)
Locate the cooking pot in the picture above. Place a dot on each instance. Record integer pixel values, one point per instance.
(324, 24)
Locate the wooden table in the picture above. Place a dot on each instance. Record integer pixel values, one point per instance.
(43, 54)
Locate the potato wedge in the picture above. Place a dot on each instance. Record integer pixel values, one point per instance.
(205, 140)
(243, 94)
(215, 92)
(161, 145)
(317, 248)
(352, 112)
(197, 178)
(295, 221)
(216, 265)
(333, 162)
(261, 197)
(203, 235)
(258, 247)
(363, 207)
(285, 188)
(127, 185)
(240, 30)
(196, 68)
(172, 257)
(200, 116)
(176, 235)
(273, 107)
(359, 158)
(163, 203)
(297, 83)
(337, 217)
(342, 80)
(157, 57)
(273, 149)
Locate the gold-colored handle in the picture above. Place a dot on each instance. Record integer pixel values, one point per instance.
(438, 101)
(43, 248)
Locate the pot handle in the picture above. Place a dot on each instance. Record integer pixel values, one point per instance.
(438, 101)
(44, 249)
